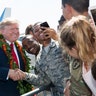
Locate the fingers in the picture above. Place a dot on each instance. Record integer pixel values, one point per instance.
(67, 89)
(20, 73)
(49, 33)
(16, 74)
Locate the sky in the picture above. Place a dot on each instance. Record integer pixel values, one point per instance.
(92, 3)
(32, 11)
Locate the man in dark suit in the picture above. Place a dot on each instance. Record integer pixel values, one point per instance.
(9, 30)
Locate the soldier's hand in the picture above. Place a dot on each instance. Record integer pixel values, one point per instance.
(67, 90)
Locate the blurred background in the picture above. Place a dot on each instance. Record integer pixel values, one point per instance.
(31, 11)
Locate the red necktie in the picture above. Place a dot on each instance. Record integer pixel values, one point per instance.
(13, 53)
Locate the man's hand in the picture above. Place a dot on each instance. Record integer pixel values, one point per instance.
(67, 90)
(16, 74)
(49, 33)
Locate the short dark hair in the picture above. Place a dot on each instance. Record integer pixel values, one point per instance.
(62, 19)
(79, 5)
(28, 29)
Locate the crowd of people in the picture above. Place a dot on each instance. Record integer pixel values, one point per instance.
(64, 59)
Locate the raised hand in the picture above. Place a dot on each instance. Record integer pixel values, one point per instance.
(50, 33)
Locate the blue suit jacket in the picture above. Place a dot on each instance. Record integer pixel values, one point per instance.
(8, 87)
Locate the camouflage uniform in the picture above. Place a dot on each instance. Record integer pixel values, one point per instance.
(78, 86)
(50, 67)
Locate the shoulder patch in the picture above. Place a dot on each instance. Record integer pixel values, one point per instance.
(75, 65)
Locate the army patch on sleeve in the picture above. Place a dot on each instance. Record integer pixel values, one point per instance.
(76, 64)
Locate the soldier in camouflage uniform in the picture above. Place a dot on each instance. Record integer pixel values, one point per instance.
(50, 66)
(78, 86)
(72, 42)
(72, 8)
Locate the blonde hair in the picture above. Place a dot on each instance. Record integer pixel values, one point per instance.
(7, 22)
(78, 32)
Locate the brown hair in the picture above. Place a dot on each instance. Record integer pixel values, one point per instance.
(78, 32)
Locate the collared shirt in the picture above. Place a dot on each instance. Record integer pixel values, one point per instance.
(90, 81)
(15, 51)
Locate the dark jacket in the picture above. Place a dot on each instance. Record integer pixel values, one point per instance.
(8, 87)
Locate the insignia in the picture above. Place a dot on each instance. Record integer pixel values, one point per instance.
(75, 65)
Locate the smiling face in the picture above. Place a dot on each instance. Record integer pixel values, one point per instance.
(31, 46)
(11, 32)
(36, 32)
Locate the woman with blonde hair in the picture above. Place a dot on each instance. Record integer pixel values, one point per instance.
(78, 40)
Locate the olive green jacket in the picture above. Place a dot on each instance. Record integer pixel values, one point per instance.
(78, 86)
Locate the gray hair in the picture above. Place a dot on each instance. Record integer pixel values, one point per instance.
(7, 22)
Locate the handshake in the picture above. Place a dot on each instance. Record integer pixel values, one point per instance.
(16, 74)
